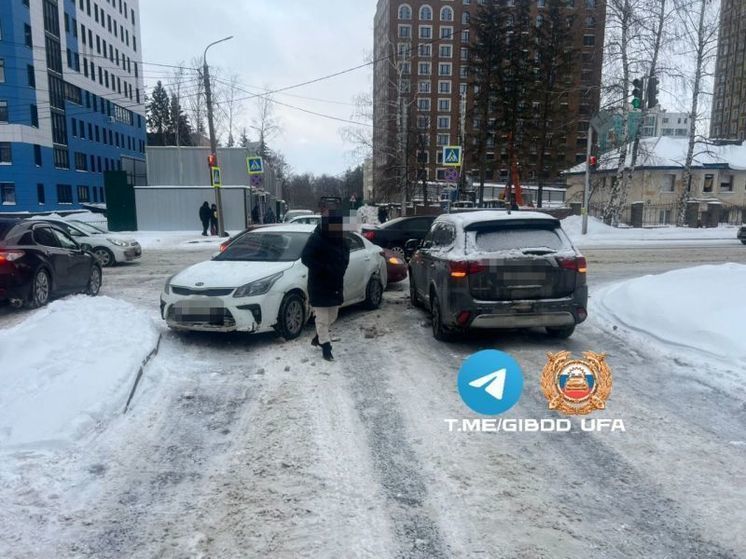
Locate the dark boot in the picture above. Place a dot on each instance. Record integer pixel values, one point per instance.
(315, 341)
(327, 349)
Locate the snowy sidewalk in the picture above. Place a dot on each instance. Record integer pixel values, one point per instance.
(600, 234)
(68, 369)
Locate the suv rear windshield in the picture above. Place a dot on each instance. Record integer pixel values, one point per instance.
(267, 246)
(520, 237)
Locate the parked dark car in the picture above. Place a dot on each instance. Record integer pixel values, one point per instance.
(394, 234)
(39, 261)
(742, 234)
(490, 269)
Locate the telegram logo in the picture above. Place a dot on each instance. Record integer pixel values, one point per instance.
(490, 382)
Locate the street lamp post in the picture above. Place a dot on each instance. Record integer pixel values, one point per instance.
(211, 127)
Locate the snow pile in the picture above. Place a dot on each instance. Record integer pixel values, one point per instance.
(176, 240)
(368, 215)
(69, 367)
(600, 234)
(701, 308)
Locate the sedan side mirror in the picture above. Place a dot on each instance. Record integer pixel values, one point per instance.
(412, 244)
(86, 247)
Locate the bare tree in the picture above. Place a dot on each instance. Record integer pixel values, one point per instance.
(699, 24)
(197, 101)
(232, 106)
(361, 137)
(265, 122)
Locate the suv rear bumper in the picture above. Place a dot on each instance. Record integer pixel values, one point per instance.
(531, 313)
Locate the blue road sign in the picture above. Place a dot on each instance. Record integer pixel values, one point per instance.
(255, 165)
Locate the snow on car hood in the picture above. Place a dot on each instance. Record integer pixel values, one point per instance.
(225, 274)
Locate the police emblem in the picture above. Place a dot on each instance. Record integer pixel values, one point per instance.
(576, 386)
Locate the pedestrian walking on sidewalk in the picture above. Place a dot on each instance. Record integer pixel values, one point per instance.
(214, 220)
(326, 255)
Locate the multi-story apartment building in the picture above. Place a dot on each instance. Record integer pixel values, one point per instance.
(729, 103)
(658, 122)
(71, 100)
(422, 54)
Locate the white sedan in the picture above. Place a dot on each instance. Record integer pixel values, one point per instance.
(259, 284)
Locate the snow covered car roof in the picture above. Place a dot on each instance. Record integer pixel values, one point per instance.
(466, 219)
(286, 228)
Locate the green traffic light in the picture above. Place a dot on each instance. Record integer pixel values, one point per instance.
(636, 103)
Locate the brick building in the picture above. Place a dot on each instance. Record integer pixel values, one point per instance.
(729, 103)
(421, 50)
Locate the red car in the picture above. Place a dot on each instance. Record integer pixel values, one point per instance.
(396, 266)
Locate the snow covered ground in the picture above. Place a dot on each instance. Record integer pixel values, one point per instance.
(176, 240)
(699, 312)
(68, 368)
(600, 234)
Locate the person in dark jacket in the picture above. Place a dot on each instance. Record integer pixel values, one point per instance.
(214, 219)
(255, 214)
(383, 214)
(269, 217)
(204, 217)
(326, 255)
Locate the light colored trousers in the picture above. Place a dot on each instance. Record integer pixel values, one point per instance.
(325, 317)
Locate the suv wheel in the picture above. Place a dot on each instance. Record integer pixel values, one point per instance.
(561, 333)
(94, 282)
(373, 294)
(440, 332)
(413, 298)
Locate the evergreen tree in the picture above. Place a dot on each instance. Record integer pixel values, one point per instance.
(158, 115)
(244, 141)
(180, 131)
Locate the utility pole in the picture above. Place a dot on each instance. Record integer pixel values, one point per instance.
(211, 126)
(462, 142)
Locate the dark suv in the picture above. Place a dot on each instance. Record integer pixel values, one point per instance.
(742, 234)
(491, 269)
(394, 234)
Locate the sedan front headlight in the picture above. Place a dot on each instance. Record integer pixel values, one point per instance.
(117, 242)
(167, 287)
(258, 287)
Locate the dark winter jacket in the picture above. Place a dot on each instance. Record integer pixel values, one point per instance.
(326, 258)
(204, 213)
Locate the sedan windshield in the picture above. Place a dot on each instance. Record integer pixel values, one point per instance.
(266, 246)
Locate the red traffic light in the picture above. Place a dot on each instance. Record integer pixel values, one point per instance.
(593, 161)
(212, 160)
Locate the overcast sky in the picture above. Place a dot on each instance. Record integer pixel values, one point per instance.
(277, 43)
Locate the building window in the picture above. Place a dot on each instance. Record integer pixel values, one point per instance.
(27, 35)
(426, 32)
(425, 50)
(64, 194)
(668, 183)
(31, 76)
(61, 158)
(6, 153)
(590, 22)
(3, 111)
(84, 194)
(423, 86)
(446, 33)
(589, 40)
(443, 139)
(707, 185)
(726, 183)
(446, 14)
(405, 31)
(37, 155)
(405, 12)
(444, 105)
(34, 116)
(444, 123)
(423, 122)
(41, 195)
(423, 69)
(446, 51)
(423, 104)
(2, 70)
(444, 87)
(445, 69)
(426, 13)
(7, 194)
(81, 162)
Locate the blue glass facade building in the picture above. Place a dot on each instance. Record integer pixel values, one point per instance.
(71, 100)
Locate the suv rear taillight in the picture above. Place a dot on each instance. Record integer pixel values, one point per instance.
(370, 235)
(461, 269)
(576, 264)
(10, 255)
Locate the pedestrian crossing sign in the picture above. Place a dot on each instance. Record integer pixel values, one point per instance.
(452, 156)
(255, 165)
(215, 177)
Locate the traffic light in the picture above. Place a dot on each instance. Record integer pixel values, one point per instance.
(212, 160)
(652, 92)
(593, 162)
(637, 93)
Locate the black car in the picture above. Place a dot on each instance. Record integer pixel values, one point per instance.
(39, 261)
(394, 234)
(742, 234)
(490, 269)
